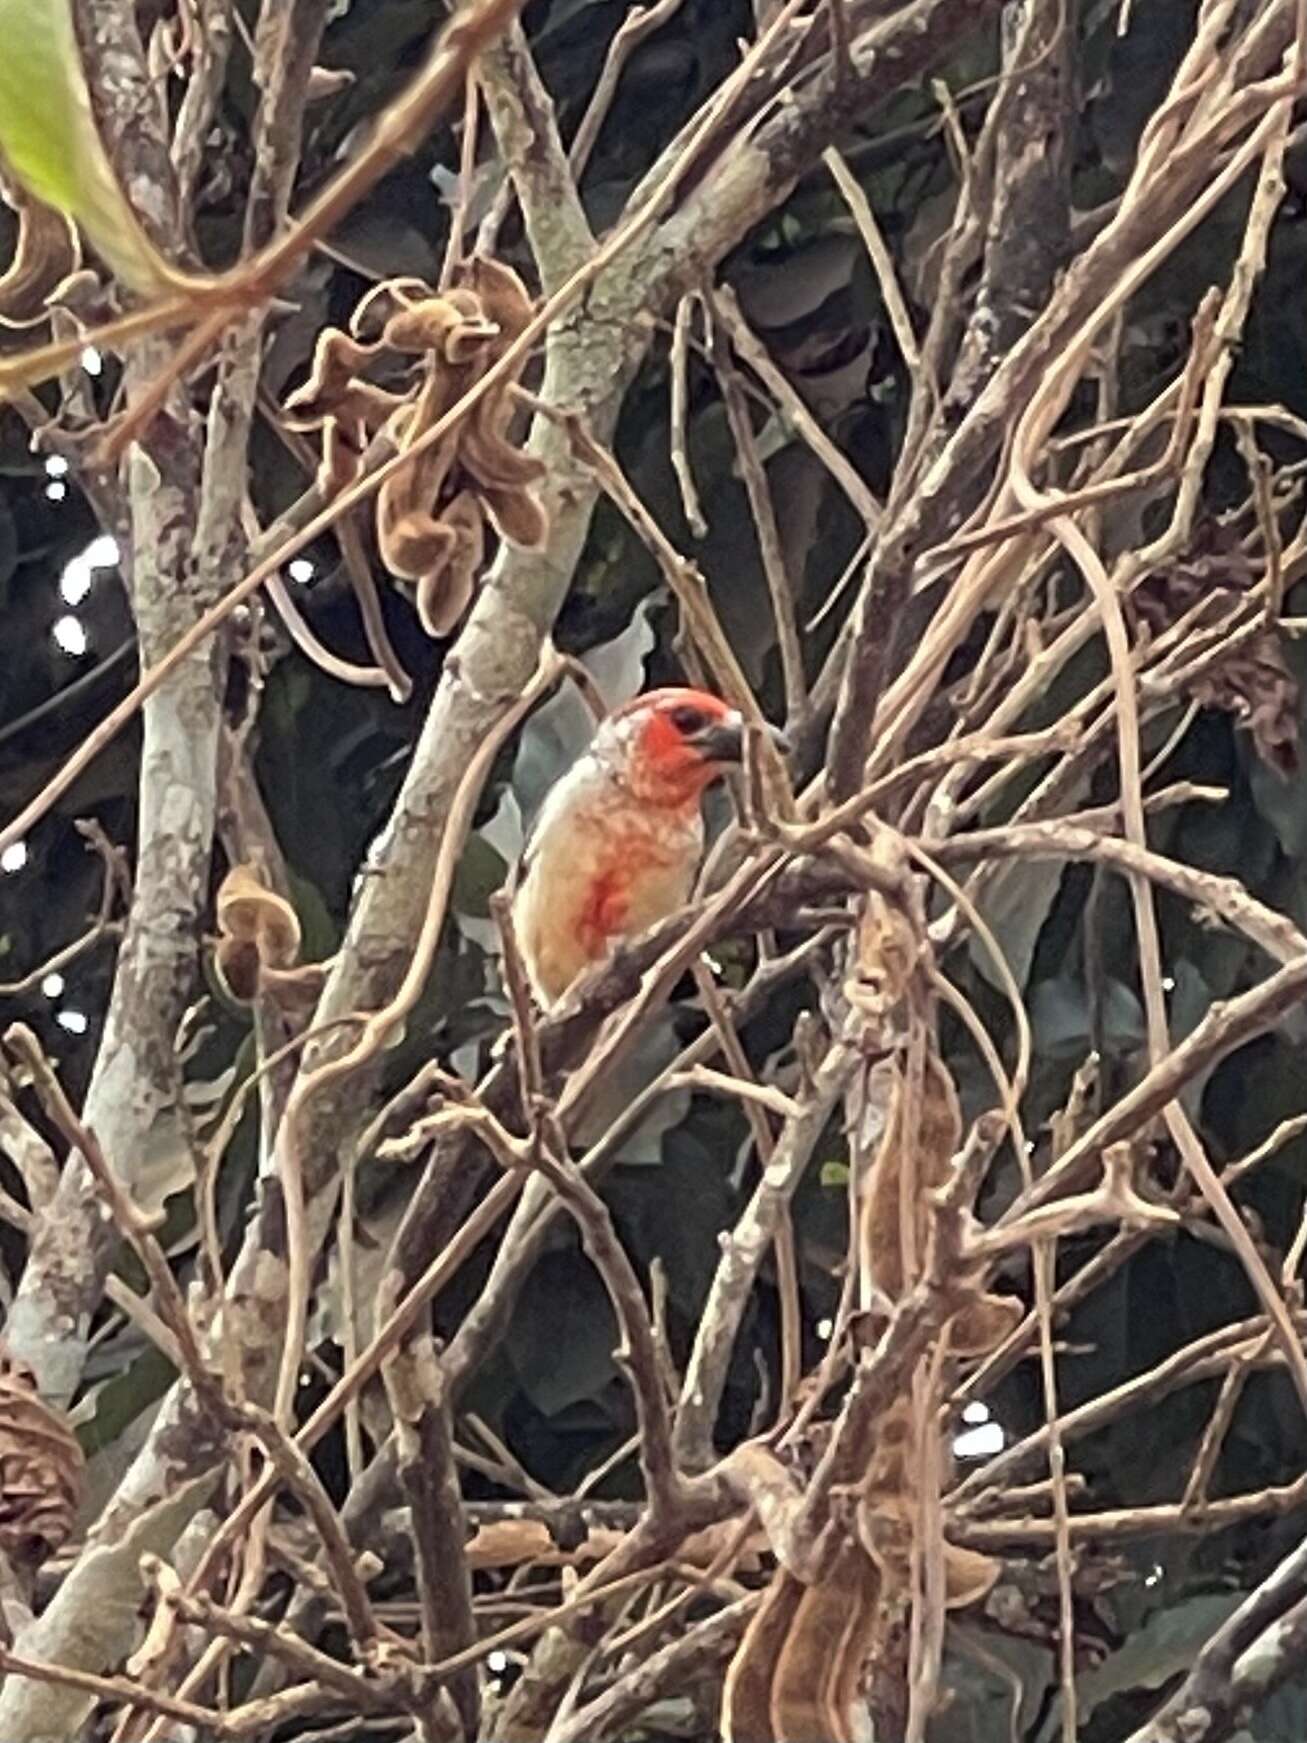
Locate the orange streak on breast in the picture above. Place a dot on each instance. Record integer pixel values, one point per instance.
(603, 912)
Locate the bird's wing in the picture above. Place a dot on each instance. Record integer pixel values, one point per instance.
(557, 799)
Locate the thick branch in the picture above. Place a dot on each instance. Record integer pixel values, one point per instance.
(429, 1478)
(522, 113)
(743, 1251)
(133, 1092)
(1028, 233)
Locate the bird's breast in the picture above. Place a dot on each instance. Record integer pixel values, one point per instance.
(598, 873)
(634, 881)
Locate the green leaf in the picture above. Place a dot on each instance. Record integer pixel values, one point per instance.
(1059, 1017)
(1164, 1647)
(1015, 900)
(321, 933)
(1283, 1718)
(114, 1403)
(481, 871)
(50, 144)
(563, 1334)
(835, 1174)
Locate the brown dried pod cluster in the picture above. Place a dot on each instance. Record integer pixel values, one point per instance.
(259, 943)
(431, 515)
(821, 1654)
(40, 1469)
(46, 255)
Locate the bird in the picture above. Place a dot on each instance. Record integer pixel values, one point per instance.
(619, 838)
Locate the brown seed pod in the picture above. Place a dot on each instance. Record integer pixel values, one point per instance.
(430, 515)
(258, 931)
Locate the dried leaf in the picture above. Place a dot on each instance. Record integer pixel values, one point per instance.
(46, 255)
(1253, 682)
(969, 1576)
(516, 515)
(1258, 689)
(746, 1694)
(836, 1628)
(40, 1469)
(336, 389)
(431, 514)
(443, 596)
(453, 328)
(258, 934)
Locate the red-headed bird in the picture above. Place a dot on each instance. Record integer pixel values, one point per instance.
(619, 838)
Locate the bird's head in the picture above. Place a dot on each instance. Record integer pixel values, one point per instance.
(671, 744)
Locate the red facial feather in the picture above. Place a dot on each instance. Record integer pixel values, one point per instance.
(673, 771)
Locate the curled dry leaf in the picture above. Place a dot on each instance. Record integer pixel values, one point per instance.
(1259, 690)
(46, 255)
(338, 401)
(430, 516)
(1252, 681)
(40, 1469)
(259, 943)
(930, 1111)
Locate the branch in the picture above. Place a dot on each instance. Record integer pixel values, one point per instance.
(131, 1100)
(1213, 896)
(1142, 233)
(419, 1399)
(1027, 223)
(699, 1653)
(639, 1353)
(522, 115)
(1227, 1025)
(743, 1251)
(186, 531)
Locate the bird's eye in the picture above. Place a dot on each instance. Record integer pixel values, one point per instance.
(688, 721)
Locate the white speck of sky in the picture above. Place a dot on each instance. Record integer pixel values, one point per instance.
(79, 572)
(70, 636)
(981, 1442)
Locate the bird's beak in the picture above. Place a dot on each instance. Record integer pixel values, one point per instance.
(723, 741)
